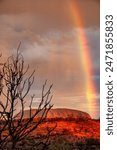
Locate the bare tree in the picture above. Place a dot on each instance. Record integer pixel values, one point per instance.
(3, 123)
(14, 89)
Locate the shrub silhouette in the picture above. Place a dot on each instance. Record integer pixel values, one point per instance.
(15, 84)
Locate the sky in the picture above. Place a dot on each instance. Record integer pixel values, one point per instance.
(49, 33)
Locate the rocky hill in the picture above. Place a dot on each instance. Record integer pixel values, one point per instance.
(62, 113)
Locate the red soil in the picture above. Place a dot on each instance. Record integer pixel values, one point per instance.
(77, 129)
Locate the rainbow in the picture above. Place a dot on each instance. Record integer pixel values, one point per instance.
(85, 56)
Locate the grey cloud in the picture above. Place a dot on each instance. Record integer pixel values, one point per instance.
(55, 53)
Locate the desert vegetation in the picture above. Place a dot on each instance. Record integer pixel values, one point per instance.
(80, 144)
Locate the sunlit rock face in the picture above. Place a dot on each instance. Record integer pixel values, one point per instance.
(61, 113)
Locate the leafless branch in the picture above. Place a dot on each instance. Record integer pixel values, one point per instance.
(14, 127)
